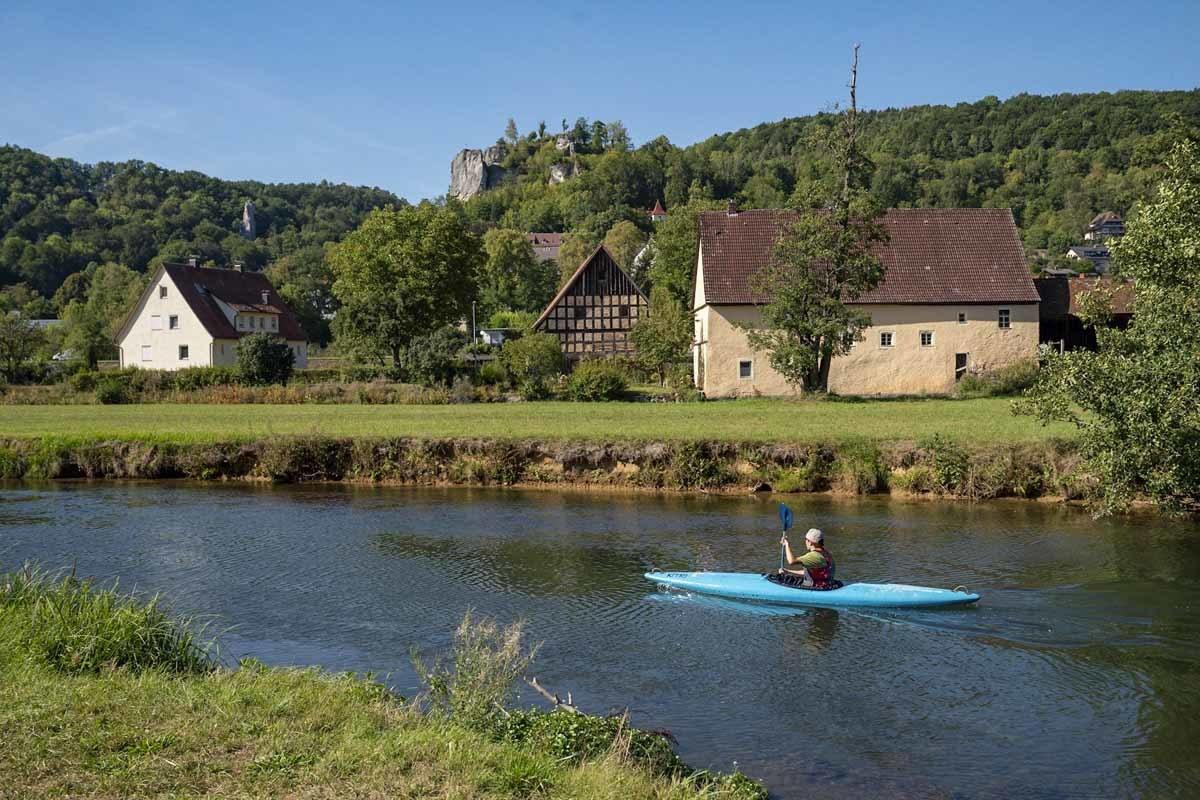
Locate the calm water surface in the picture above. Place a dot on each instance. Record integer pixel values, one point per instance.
(1077, 676)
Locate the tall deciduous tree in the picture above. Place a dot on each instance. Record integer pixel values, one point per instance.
(575, 248)
(401, 274)
(676, 247)
(623, 242)
(513, 279)
(1136, 400)
(662, 339)
(823, 261)
(305, 280)
(19, 341)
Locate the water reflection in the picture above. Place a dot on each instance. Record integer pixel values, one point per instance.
(1078, 674)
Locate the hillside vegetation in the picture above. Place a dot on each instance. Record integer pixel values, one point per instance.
(1055, 160)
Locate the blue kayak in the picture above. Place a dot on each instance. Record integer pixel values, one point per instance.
(752, 586)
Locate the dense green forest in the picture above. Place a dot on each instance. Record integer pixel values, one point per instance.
(1054, 160)
(57, 216)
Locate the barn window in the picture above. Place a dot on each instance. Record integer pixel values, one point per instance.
(183, 352)
(926, 338)
(1004, 319)
(746, 369)
(885, 339)
(962, 318)
(580, 312)
(622, 311)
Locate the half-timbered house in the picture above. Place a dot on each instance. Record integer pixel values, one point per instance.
(592, 314)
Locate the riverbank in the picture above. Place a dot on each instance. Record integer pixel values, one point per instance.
(936, 466)
(105, 696)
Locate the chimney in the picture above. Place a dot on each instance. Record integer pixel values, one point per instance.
(193, 261)
(237, 266)
(732, 209)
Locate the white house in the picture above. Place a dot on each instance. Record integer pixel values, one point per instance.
(192, 316)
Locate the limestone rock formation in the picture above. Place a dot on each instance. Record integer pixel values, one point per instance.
(249, 229)
(560, 172)
(473, 171)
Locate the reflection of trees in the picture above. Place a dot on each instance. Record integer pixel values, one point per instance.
(537, 568)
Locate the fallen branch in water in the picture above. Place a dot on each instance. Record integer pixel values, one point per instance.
(554, 699)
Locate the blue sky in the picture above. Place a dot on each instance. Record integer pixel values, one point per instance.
(385, 94)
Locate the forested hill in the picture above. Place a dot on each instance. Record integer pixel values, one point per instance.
(1055, 160)
(57, 216)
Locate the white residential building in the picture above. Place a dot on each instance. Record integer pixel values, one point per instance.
(192, 316)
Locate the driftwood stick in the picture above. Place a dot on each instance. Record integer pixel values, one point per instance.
(554, 699)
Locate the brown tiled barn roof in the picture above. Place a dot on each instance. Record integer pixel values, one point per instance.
(242, 290)
(933, 256)
(1061, 295)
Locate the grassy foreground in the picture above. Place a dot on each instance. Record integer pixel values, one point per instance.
(103, 696)
(969, 421)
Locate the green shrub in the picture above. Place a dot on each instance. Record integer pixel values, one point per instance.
(462, 390)
(192, 378)
(433, 360)
(493, 373)
(531, 362)
(811, 476)
(84, 381)
(1012, 379)
(948, 462)
(859, 468)
(521, 321)
(111, 390)
(917, 479)
(694, 465)
(264, 359)
(77, 627)
(596, 380)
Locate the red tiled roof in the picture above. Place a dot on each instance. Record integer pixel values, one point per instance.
(658, 210)
(933, 256)
(545, 239)
(241, 290)
(1103, 217)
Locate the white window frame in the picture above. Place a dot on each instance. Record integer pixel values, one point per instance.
(747, 362)
(1004, 319)
(156, 322)
(922, 335)
(147, 352)
(173, 322)
(962, 318)
(891, 339)
(184, 352)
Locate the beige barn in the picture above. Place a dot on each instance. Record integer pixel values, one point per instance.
(957, 298)
(192, 316)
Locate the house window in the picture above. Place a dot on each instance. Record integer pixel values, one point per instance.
(580, 312)
(274, 323)
(623, 311)
(183, 352)
(173, 322)
(926, 338)
(885, 339)
(1005, 319)
(147, 352)
(746, 369)
(962, 318)
(162, 291)
(960, 365)
(155, 322)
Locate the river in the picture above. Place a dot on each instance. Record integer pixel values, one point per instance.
(1078, 675)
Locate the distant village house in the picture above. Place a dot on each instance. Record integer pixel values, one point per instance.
(957, 297)
(1062, 295)
(593, 312)
(545, 245)
(191, 316)
(1105, 225)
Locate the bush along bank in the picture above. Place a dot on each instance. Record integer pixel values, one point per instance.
(106, 695)
(936, 466)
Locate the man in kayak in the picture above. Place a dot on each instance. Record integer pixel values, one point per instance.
(815, 567)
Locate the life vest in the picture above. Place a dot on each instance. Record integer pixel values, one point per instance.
(822, 577)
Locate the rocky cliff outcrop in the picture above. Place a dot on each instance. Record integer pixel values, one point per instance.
(473, 171)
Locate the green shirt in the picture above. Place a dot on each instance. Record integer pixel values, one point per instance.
(811, 560)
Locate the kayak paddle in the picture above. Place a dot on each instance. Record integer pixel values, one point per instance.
(785, 518)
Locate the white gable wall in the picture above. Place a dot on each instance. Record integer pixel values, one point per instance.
(148, 336)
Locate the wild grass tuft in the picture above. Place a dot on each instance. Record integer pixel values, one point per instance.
(76, 627)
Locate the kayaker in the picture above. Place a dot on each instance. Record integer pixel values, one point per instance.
(815, 566)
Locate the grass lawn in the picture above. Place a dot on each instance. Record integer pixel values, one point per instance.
(983, 420)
